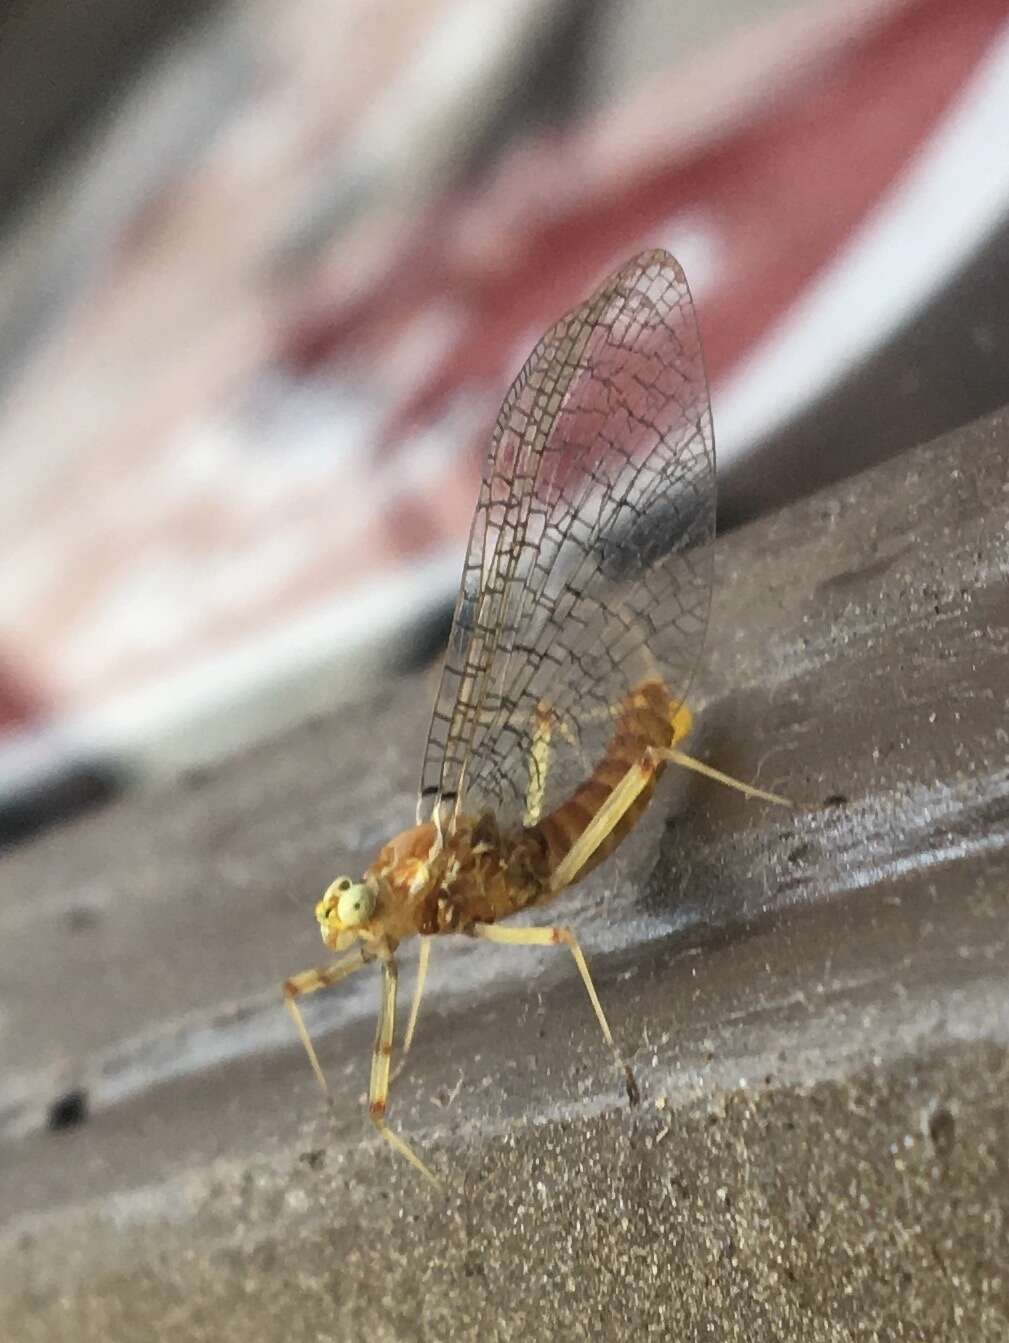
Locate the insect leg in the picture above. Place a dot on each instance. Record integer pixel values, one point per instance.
(550, 937)
(378, 1091)
(637, 778)
(418, 992)
(630, 786)
(310, 981)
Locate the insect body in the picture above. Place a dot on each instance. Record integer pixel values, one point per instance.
(579, 623)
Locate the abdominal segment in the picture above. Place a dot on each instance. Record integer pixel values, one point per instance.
(647, 716)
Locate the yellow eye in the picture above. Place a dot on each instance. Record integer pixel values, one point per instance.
(356, 905)
(326, 911)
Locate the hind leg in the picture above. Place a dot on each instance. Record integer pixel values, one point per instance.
(552, 937)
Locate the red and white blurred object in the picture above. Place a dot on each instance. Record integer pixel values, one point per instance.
(241, 452)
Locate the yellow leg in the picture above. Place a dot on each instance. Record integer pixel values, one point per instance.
(310, 981)
(605, 819)
(624, 794)
(548, 937)
(418, 992)
(378, 1091)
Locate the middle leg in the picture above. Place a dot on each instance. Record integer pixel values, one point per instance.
(378, 1091)
(423, 958)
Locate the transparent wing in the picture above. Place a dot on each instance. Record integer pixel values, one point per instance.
(589, 559)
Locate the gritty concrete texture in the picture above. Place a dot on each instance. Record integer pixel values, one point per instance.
(816, 1004)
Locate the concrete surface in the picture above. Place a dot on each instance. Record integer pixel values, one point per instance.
(816, 1003)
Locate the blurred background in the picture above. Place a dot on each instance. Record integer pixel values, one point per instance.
(267, 268)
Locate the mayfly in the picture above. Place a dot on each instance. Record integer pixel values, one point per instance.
(578, 625)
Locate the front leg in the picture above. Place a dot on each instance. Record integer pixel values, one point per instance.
(310, 981)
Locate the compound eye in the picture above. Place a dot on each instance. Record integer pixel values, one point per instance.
(356, 904)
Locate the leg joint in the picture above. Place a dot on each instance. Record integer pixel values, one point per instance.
(650, 760)
(307, 982)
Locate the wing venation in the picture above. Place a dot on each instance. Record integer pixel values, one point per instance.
(589, 560)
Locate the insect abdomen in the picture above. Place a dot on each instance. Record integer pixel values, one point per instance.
(648, 717)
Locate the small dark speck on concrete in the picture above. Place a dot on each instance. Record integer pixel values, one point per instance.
(68, 1111)
(835, 800)
(942, 1129)
(472, 1266)
(196, 777)
(314, 1160)
(81, 917)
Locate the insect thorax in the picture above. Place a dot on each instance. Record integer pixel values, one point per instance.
(475, 875)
